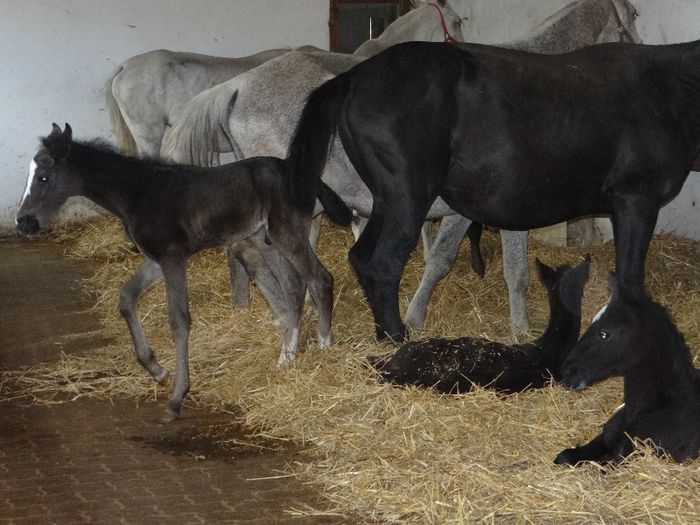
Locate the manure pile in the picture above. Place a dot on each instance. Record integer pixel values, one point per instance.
(387, 454)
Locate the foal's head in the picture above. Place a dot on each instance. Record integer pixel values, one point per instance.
(49, 183)
(601, 351)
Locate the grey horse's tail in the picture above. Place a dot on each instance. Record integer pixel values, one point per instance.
(309, 148)
(125, 139)
(194, 136)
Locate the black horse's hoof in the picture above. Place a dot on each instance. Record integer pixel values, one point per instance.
(565, 457)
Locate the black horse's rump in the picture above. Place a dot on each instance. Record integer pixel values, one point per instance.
(507, 138)
(454, 365)
(662, 388)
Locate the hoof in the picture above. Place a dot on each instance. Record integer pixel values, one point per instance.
(565, 457)
(324, 342)
(169, 416)
(163, 378)
(415, 322)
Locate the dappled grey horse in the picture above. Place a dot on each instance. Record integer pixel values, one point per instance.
(260, 108)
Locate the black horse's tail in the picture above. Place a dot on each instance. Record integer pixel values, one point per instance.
(334, 206)
(310, 145)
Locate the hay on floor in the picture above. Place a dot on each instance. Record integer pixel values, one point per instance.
(398, 454)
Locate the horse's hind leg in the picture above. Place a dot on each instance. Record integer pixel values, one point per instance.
(240, 282)
(440, 260)
(288, 233)
(293, 290)
(257, 270)
(146, 275)
(515, 272)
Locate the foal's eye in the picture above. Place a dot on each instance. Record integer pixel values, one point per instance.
(603, 334)
(43, 179)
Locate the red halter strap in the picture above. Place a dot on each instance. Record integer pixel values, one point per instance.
(448, 36)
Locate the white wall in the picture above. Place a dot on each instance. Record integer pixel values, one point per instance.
(660, 22)
(55, 56)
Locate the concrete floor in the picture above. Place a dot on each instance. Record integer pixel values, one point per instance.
(92, 461)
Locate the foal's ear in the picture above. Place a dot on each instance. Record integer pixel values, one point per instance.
(547, 274)
(58, 144)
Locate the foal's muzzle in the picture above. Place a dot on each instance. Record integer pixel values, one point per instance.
(27, 225)
(574, 378)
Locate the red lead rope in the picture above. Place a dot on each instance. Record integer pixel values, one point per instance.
(448, 36)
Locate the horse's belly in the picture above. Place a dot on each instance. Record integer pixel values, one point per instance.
(518, 200)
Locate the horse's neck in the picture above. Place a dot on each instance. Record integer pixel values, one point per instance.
(106, 179)
(661, 368)
(405, 29)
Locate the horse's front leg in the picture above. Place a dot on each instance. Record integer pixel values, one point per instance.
(515, 272)
(146, 275)
(440, 259)
(175, 274)
(634, 220)
(603, 448)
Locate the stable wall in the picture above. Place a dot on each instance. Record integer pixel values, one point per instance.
(55, 57)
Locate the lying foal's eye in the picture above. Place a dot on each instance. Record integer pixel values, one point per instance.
(43, 179)
(603, 334)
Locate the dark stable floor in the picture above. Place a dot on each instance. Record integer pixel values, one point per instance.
(90, 461)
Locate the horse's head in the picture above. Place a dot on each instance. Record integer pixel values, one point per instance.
(434, 12)
(622, 25)
(601, 351)
(48, 186)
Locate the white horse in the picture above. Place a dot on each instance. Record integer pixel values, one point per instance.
(145, 89)
(260, 109)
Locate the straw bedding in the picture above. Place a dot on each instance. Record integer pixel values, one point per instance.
(381, 453)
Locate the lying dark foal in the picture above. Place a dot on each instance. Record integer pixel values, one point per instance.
(454, 365)
(173, 211)
(662, 388)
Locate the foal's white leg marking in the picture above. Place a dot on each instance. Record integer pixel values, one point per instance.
(324, 341)
(599, 314)
(289, 350)
(28, 187)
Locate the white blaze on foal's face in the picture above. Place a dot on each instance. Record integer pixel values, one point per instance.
(30, 181)
(599, 314)
(28, 187)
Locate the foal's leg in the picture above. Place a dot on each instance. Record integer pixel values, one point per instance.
(258, 271)
(146, 275)
(288, 234)
(240, 283)
(427, 234)
(440, 260)
(293, 290)
(175, 274)
(515, 272)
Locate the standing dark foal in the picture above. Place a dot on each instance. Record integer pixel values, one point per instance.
(662, 388)
(507, 138)
(454, 365)
(171, 212)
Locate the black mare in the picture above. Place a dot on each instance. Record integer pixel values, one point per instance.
(173, 211)
(662, 388)
(455, 365)
(507, 138)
